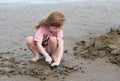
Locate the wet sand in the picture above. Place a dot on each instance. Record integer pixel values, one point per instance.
(85, 21)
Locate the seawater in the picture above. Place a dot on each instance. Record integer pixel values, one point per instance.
(36, 1)
(51, 1)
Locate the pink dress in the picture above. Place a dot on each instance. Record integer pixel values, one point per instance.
(43, 34)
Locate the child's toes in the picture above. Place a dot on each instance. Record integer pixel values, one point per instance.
(34, 59)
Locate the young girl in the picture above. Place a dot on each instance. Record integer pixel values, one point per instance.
(48, 39)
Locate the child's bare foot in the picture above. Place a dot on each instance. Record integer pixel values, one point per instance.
(35, 59)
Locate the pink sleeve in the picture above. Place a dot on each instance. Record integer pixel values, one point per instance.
(39, 35)
(60, 38)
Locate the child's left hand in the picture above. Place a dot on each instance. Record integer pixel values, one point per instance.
(56, 63)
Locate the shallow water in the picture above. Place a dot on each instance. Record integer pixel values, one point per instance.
(36, 1)
(50, 1)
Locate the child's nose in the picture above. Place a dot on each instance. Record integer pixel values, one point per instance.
(58, 30)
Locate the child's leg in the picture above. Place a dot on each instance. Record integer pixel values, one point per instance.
(32, 46)
(52, 47)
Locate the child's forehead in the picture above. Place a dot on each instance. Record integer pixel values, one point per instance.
(56, 27)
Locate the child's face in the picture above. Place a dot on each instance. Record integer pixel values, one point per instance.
(54, 29)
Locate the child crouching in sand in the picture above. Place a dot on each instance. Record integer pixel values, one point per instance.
(48, 39)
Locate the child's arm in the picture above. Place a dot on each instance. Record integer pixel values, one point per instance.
(60, 54)
(60, 48)
(38, 38)
(47, 57)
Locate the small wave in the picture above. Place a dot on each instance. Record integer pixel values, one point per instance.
(36, 1)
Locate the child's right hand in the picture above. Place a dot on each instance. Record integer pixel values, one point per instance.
(48, 59)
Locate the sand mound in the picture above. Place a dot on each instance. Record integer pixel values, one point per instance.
(98, 47)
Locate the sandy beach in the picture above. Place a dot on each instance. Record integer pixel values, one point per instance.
(83, 21)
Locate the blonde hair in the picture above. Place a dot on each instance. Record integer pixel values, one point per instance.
(56, 19)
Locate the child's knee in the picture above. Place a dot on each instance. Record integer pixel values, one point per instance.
(53, 39)
(29, 39)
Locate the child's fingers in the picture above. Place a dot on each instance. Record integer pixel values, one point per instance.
(53, 64)
(49, 62)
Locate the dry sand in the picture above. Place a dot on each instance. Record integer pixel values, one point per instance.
(84, 20)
